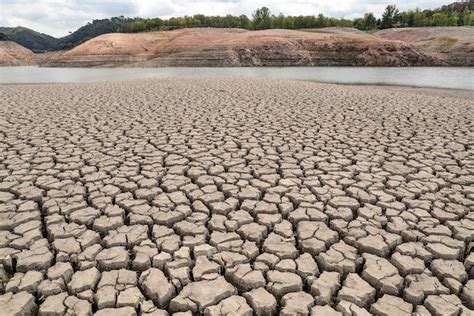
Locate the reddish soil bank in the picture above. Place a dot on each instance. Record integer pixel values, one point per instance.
(12, 54)
(237, 47)
(452, 45)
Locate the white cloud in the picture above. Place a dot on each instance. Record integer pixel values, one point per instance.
(58, 17)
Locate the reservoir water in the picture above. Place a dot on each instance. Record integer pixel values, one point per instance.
(434, 77)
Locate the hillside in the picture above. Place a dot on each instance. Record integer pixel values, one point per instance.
(91, 30)
(12, 54)
(39, 42)
(453, 45)
(35, 41)
(237, 47)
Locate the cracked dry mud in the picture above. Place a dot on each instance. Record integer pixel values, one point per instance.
(228, 196)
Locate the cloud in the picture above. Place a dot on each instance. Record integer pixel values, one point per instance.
(58, 17)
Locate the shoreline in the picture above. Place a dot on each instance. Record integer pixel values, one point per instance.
(468, 93)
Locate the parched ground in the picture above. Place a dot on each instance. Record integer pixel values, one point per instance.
(235, 196)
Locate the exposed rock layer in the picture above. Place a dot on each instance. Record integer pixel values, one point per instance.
(452, 45)
(237, 47)
(12, 54)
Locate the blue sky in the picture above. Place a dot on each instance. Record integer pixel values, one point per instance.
(59, 17)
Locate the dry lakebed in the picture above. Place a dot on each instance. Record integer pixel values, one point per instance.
(235, 196)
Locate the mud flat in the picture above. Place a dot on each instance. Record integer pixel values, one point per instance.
(232, 195)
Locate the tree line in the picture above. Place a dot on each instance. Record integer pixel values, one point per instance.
(456, 14)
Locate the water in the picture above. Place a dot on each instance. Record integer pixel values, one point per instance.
(435, 77)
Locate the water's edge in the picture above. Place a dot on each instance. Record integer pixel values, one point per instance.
(460, 78)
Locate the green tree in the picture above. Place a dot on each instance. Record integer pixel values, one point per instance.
(244, 22)
(454, 19)
(439, 19)
(321, 21)
(389, 16)
(419, 19)
(368, 22)
(470, 20)
(407, 19)
(261, 19)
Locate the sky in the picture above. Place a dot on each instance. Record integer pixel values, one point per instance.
(59, 17)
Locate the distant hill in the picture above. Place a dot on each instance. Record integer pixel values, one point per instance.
(91, 30)
(35, 41)
(39, 42)
(458, 7)
(3, 37)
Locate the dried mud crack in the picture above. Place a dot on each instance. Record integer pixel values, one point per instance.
(233, 196)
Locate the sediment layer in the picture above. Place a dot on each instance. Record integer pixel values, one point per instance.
(452, 45)
(12, 54)
(237, 47)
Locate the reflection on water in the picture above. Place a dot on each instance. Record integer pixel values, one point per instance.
(453, 77)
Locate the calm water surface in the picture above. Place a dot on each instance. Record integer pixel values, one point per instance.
(452, 78)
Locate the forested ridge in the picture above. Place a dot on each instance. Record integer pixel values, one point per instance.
(455, 14)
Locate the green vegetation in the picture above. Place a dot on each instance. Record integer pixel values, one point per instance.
(456, 14)
(90, 30)
(37, 42)
(261, 19)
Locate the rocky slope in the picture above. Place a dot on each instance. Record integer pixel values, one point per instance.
(237, 47)
(12, 54)
(452, 45)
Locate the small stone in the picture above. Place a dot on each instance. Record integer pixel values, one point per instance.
(357, 291)
(245, 278)
(113, 258)
(123, 311)
(344, 202)
(84, 280)
(340, 258)
(130, 297)
(390, 305)
(382, 275)
(196, 296)
(296, 303)
(443, 305)
(262, 302)
(325, 287)
(21, 303)
(234, 305)
(53, 305)
(35, 259)
(325, 310)
(349, 308)
(449, 269)
(155, 285)
(281, 283)
(418, 286)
